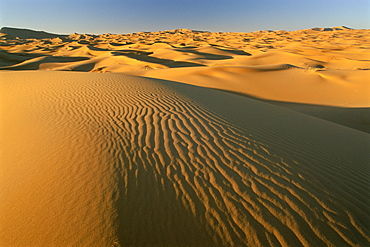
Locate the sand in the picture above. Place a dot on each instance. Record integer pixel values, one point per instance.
(218, 143)
(322, 72)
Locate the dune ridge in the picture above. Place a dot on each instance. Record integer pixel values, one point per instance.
(120, 160)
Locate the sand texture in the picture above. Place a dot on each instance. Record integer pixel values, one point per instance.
(319, 72)
(222, 144)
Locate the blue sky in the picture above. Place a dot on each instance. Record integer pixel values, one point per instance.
(125, 16)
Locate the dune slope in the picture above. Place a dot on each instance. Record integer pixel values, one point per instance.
(117, 160)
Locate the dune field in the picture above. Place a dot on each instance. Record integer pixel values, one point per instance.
(185, 138)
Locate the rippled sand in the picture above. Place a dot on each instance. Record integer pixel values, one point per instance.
(322, 72)
(90, 159)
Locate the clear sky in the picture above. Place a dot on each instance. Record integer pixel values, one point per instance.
(126, 16)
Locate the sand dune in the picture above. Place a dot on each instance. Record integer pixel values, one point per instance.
(339, 48)
(282, 82)
(17, 33)
(322, 72)
(342, 97)
(187, 138)
(110, 160)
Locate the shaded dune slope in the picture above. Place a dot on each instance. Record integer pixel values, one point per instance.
(107, 159)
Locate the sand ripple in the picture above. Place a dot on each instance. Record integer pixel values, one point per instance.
(109, 160)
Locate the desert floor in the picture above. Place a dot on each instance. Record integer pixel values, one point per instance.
(185, 138)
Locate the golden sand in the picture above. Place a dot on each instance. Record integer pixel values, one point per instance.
(161, 158)
(319, 72)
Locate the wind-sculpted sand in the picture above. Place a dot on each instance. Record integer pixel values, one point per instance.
(117, 160)
(339, 48)
(322, 72)
(185, 138)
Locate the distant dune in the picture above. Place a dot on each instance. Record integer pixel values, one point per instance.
(12, 33)
(190, 138)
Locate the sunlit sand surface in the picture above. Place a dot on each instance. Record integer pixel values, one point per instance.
(214, 139)
(322, 72)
